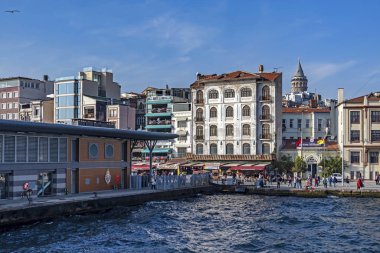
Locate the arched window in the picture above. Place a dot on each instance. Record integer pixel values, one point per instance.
(213, 94)
(213, 112)
(199, 132)
(246, 110)
(266, 131)
(199, 114)
(229, 111)
(246, 92)
(213, 149)
(229, 149)
(266, 93)
(199, 98)
(213, 130)
(266, 148)
(229, 130)
(229, 93)
(246, 129)
(265, 112)
(199, 148)
(246, 149)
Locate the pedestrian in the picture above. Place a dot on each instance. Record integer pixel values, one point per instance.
(325, 182)
(278, 181)
(289, 181)
(153, 181)
(377, 179)
(319, 180)
(295, 181)
(330, 180)
(335, 181)
(316, 182)
(358, 183)
(300, 182)
(347, 181)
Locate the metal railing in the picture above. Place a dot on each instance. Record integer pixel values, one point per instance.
(266, 136)
(265, 98)
(265, 117)
(169, 182)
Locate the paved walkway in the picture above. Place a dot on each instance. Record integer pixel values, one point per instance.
(18, 203)
(369, 185)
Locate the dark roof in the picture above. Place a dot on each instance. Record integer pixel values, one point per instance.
(299, 71)
(304, 110)
(236, 75)
(48, 128)
(15, 77)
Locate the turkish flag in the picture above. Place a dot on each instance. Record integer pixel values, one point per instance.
(298, 143)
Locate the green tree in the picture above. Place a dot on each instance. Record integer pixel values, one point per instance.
(284, 165)
(331, 165)
(299, 165)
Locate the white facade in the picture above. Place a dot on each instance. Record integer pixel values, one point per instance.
(181, 121)
(237, 113)
(359, 134)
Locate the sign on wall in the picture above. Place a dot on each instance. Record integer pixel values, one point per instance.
(107, 177)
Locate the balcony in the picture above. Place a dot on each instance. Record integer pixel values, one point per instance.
(266, 117)
(159, 112)
(159, 100)
(265, 136)
(267, 98)
(199, 119)
(199, 101)
(199, 138)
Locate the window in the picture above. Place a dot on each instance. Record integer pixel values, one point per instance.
(213, 112)
(291, 123)
(229, 130)
(266, 148)
(9, 106)
(374, 157)
(328, 123)
(355, 135)
(62, 150)
(32, 149)
(246, 149)
(181, 152)
(182, 138)
(9, 95)
(375, 135)
(375, 116)
(355, 117)
(89, 112)
(15, 105)
(229, 111)
(199, 114)
(213, 130)
(246, 92)
(213, 149)
(199, 149)
(113, 112)
(53, 149)
(265, 112)
(43, 149)
(9, 149)
(283, 124)
(355, 157)
(246, 111)
(199, 131)
(307, 123)
(21, 148)
(15, 94)
(265, 93)
(109, 151)
(319, 124)
(213, 94)
(299, 124)
(265, 131)
(246, 129)
(229, 149)
(93, 151)
(199, 97)
(182, 123)
(229, 93)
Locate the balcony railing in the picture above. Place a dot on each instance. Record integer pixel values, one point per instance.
(159, 122)
(265, 98)
(266, 117)
(199, 101)
(159, 110)
(199, 137)
(265, 136)
(89, 115)
(199, 119)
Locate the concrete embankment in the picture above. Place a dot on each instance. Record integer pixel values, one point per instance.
(320, 193)
(42, 210)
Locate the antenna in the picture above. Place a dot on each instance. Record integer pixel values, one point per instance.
(275, 69)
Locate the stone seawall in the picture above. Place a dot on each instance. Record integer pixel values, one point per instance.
(16, 216)
(301, 193)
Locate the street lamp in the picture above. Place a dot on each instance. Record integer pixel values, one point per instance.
(324, 151)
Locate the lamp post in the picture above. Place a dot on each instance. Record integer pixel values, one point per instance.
(324, 148)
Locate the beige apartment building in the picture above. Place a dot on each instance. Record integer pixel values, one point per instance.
(359, 134)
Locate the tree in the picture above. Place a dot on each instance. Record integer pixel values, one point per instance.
(299, 165)
(284, 165)
(331, 165)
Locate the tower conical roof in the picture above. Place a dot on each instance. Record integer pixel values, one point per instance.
(299, 71)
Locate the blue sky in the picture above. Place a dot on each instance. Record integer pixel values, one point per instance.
(154, 43)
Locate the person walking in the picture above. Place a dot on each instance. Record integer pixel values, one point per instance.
(358, 184)
(335, 181)
(330, 180)
(289, 181)
(316, 182)
(324, 182)
(347, 181)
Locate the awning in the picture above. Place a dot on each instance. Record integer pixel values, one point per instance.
(157, 150)
(257, 167)
(164, 166)
(142, 166)
(212, 166)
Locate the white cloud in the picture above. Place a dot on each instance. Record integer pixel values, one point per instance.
(320, 71)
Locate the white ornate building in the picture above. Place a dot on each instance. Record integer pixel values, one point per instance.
(237, 113)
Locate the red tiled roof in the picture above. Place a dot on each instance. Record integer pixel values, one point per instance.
(370, 97)
(304, 110)
(236, 75)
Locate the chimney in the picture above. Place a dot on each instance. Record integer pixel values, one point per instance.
(340, 95)
(46, 78)
(261, 68)
(365, 102)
